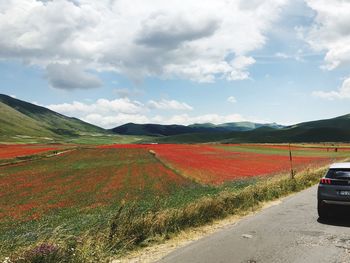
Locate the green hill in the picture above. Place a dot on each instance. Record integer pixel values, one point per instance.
(23, 119)
(15, 123)
(237, 126)
(161, 130)
(170, 130)
(329, 130)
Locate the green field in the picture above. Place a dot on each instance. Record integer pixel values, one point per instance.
(298, 150)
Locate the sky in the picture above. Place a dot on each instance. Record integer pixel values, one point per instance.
(111, 62)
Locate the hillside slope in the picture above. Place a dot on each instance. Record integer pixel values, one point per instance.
(15, 123)
(329, 130)
(170, 130)
(158, 129)
(22, 118)
(237, 126)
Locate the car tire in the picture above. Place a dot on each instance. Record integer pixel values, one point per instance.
(323, 210)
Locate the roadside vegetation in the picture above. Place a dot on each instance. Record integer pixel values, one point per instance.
(134, 225)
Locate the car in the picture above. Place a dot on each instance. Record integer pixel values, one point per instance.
(334, 189)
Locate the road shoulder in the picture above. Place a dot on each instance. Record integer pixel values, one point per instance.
(184, 238)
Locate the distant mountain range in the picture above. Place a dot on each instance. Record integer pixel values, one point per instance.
(20, 118)
(169, 130)
(329, 130)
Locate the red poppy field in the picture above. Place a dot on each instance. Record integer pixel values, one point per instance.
(83, 179)
(19, 150)
(216, 164)
(101, 176)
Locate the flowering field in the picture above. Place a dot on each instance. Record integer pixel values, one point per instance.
(216, 164)
(82, 179)
(81, 190)
(19, 150)
(313, 150)
(104, 175)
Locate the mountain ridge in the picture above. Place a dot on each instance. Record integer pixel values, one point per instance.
(176, 129)
(21, 118)
(327, 130)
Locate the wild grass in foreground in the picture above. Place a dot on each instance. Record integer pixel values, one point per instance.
(134, 225)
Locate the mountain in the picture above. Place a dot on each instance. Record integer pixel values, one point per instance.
(156, 129)
(341, 122)
(20, 118)
(237, 126)
(328, 130)
(170, 130)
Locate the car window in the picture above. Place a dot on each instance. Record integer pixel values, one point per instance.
(338, 173)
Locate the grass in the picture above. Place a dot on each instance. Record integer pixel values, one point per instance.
(99, 139)
(130, 225)
(300, 151)
(151, 224)
(78, 221)
(85, 139)
(27, 158)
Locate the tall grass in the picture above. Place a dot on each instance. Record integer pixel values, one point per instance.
(132, 226)
(129, 228)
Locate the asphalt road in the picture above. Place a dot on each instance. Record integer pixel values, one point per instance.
(287, 232)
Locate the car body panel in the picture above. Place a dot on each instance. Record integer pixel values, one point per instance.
(338, 191)
(340, 166)
(332, 192)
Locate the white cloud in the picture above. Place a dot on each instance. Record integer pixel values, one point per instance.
(330, 31)
(282, 55)
(231, 99)
(101, 106)
(115, 120)
(110, 113)
(190, 39)
(342, 93)
(239, 67)
(186, 119)
(71, 76)
(126, 93)
(298, 55)
(182, 119)
(168, 105)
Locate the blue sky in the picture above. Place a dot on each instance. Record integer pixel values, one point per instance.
(110, 63)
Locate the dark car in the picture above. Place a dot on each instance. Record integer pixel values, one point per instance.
(334, 189)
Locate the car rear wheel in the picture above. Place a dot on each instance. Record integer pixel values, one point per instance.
(323, 210)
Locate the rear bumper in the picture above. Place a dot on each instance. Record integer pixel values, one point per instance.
(330, 193)
(332, 202)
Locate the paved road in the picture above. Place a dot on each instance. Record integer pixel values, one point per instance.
(288, 232)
